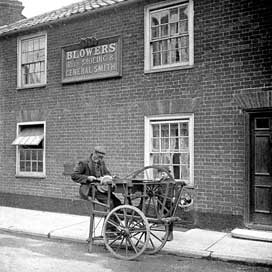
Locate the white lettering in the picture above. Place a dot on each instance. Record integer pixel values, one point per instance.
(69, 55)
(112, 47)
(97, 50)
(89, 51)
(104, 49)
(82, 53)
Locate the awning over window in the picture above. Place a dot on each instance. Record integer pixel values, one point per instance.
(29, 136)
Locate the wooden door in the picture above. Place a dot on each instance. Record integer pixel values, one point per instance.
(261, 169)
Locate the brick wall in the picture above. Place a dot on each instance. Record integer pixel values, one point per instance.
(232, 41)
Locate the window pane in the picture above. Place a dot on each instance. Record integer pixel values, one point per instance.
(176, 172)
(36, 44)
(184, 55)
(164, 30)
(165, 159)
(34, 155)
(31, 78)
(156, 159)
(155, 18)
(184, 129)
(22, 155)
(174, 144)
(164, 144)
(36, 56)
(40, 167)
(156, 59)
(42, 42)
(30, 45)
(176, 158)
(164, 17)
(184, 172)
(156, 130)
(174, 129)
(262, 123)
(183, 42)
(183, 13)
(34, 166)
(184, 143)
(174, 29)
(27, 169)
(183, 27)
(42, 77)
(40, 155)
(24, 58)
(165, 46)
(156, 145)
(22, 166)
(165, 57)
(164, 130)
(174, 15)
(42, 66)
(27, 152)
(155, 32)
(175, 56)
(24, 46)
(184, 158)
(156, 47)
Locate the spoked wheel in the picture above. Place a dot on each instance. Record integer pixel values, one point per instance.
(126, 232)
(158, 237)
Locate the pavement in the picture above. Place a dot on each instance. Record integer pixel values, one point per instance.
(242, 245)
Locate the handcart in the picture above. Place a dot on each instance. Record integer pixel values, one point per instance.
(150, 199)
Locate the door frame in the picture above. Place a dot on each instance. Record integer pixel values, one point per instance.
(248, 115)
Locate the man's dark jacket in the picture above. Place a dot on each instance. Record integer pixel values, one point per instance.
(84, 169)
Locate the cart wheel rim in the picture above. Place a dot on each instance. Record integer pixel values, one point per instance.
(158, 237)
(129, 234)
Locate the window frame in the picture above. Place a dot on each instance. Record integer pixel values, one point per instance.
(167, 119)
(20, 85)
(148, 68)
(30, 174)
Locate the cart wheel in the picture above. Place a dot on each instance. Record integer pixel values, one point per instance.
(158, 237)
(126, 232)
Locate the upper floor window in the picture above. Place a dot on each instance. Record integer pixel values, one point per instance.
(32, 60)
(30, 149)
(169, 143)
(169, 35)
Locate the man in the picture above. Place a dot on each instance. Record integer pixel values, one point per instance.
(92, 171)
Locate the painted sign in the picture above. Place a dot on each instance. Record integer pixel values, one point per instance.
(92, 59)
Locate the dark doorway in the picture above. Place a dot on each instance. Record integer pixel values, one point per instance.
(261, 168)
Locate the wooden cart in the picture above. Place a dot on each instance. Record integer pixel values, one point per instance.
(150, 198)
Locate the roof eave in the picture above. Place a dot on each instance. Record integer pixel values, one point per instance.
(65, 19)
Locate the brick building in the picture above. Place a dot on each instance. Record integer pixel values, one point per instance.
(180, 83)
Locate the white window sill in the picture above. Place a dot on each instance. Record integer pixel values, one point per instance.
(31, 87)
(158, 70)
(30, 176)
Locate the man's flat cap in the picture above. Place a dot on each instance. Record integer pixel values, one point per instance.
(100, 149)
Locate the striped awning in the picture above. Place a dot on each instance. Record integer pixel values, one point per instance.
(29, 136)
